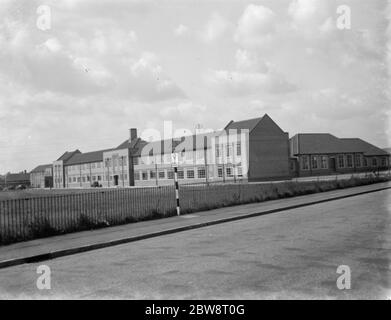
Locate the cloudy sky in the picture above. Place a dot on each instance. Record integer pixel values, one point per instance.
(105, 66)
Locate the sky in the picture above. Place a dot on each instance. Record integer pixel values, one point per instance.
(101, 67)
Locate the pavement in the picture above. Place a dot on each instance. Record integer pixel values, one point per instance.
(63, 245)
(291, 254)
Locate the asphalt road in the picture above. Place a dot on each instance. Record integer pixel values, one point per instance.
(291, 254)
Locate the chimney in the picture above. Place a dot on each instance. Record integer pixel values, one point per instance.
(133, 134)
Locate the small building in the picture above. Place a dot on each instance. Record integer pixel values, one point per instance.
(314, 154)
(16, 179)
(42, 176)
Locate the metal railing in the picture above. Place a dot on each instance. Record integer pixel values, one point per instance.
(61, 211)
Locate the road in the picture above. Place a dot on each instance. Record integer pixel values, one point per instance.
(286, 255)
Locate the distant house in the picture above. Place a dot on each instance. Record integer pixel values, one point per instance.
(42, 176)
(322, 153)
(15, 179)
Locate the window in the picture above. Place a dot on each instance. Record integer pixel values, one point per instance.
(78, 179)
(88, 178)
(229, 150)
(229, 172)
(374, 162)
(93, 165)
(99, 165)
(181, 174)
(341, 161)
(70, 180)
(162, 175)
(152, 174)
(170, 174)
(383, 161)
(304, 163)
(201, 173)
(144, 175)
(349, 161)
(365, 162)
(220, 172)
(93, 178)
(74, 179)
(217, 150)
(136, 160)
(238, 149)
(323, 162)
(314, 162)
(240, 171)
(358, 160)
(190, 174)
(200, 154)
(84, 179)
(99, 178)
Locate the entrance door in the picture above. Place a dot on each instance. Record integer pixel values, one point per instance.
(116, 180)
(332, 164)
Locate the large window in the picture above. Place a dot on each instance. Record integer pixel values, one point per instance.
(323, 162)
(136, 175)
(201, 173)
(383, 161)
(314, 162)
(152, 174)
(349, 161)
(144, 175)
(365, 162)
(170, 174)
(374, 162)
(358, 160)
(238, 149)
(217, 150)
(341, 161)
(229, 172)
(240, 171)
(304, 163)
(181, 174)
(220, 172)
(162, 175)
(229, 149)
(190, 174)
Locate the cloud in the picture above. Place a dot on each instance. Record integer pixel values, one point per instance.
(215, 28)
(256, 26)
(181, 30)
(248, 83)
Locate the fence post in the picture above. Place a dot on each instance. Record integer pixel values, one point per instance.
(178, 209)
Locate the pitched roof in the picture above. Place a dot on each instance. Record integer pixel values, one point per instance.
(243, 124)
(17, 177)
(318, 143)
(41, 168)
(68, 155)
(88, 157)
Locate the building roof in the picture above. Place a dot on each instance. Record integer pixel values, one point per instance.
(68, 155)
(318, 143)
(243, 124)
(41, 168)
(17, 177)
(265, 122)
(88, 157)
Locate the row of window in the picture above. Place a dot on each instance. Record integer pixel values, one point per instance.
(321, 162)
(199, 173)
(96, 178)
(228, 149)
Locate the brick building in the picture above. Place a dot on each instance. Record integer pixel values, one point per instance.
(42, 176)
(251, 150)
(322, 154)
